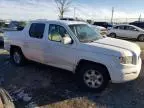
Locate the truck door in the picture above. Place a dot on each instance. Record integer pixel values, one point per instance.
(33, 44)
(56, 52)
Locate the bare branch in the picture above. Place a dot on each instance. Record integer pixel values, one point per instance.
(63, 6)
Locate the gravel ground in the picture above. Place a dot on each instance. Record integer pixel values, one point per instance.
(39, 85)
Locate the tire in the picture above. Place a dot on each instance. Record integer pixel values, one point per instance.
(112, 35)
(88, 81)
(1, 44)
(141, 38)
(17, 57)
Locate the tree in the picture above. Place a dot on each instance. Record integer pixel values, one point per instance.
(2, 24)
(22, 23)
(89, 21)
(63, 6)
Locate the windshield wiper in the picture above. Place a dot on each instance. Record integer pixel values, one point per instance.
(92, 40)
(89, 41)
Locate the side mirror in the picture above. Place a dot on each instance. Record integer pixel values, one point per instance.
(135, 30)
(67, 40)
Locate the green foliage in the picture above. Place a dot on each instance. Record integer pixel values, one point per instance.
(2, 24)
(22, 23)
(89, 21)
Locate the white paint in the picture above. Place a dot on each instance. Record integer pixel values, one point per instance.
(127, 33)
(105, 51)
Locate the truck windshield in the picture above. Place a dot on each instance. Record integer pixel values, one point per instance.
(85, 33)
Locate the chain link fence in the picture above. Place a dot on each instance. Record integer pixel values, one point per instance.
(120, 20)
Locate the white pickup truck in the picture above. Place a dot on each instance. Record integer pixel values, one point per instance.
(76, 47)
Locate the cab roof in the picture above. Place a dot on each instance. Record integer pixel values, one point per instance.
(58, 21)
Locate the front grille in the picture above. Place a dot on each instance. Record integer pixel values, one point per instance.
(134, 60)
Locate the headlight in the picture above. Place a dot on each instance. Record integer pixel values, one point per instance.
(126, 60)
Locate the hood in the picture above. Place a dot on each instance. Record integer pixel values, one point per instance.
(115, 47)
(119, 43)
(100, 27)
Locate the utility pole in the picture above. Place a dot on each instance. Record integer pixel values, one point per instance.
(139, 18)
(112, 15)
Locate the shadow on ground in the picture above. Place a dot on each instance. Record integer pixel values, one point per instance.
(47, 86)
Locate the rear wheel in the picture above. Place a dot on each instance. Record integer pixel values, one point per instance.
(112, 35)
(93, 77)
(141, 38)
(17, 57)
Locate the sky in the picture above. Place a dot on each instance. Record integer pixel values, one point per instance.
(85, 9)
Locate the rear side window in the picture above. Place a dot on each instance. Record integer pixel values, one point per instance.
(37, 30)
(121, 27)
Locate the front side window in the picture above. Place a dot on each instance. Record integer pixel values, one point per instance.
(116, 27)
(37, 30)
(121, 27)
(57, 33)
(85, 33)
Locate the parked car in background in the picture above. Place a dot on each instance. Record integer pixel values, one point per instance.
(127, 31)
(68, 19)
(103, 24)
(1, 30)
(77, 47)
(72, 19)
(14, 26)
(102, 30)
(138, 24)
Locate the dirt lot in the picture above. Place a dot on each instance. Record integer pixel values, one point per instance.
(48, 87)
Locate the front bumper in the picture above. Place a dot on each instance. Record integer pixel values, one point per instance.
(126, 73)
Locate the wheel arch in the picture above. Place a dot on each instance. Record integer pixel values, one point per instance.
(12, 47)
(139, 36)
(113, 33)
(84, 62)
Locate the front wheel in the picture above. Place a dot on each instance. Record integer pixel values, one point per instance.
(112, 35)
(93, 77)
(141, 38)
